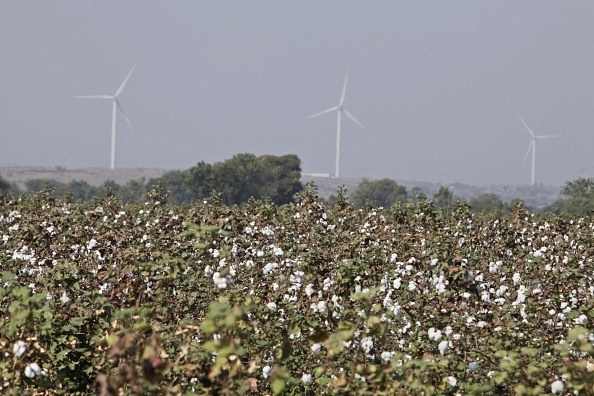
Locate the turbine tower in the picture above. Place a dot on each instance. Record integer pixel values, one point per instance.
(340, 109)
(532, 146)
(115, 106)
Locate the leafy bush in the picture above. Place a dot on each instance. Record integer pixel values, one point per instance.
(302, 298)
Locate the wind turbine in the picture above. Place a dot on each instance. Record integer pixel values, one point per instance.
(115, 106)
(340, 109)
(532, 146)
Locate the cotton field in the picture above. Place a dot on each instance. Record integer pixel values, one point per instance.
(308, 298)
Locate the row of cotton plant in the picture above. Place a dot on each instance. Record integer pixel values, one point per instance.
(307, 296)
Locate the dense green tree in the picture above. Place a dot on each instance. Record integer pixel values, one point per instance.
(578, 188)
(37, 185)
(246, 176)
(282, 177)
(384, 193)
(8, 188)
(199, 180)
(173, 183)
(580, 193)
(132, 191)
(489, 202)
(444, 199)
(112, 186)
(80, 190)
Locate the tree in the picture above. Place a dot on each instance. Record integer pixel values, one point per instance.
(133, 191)
(8, 188)
(444, 199)
(246, 176)
(199, 180)
(384, 193)
(282, 177)
(578, 188)
(488, 202)
(173, 183)
(581, 198)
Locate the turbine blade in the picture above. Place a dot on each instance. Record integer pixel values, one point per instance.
(324, 112)
(124, 114)
(123, 85)
(342, 96)
(530, 147)
(527, 127)
(546, 136)
(348, 114)
(94, 97)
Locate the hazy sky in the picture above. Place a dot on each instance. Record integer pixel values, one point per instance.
(438, 84)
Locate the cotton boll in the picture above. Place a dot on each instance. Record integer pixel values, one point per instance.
(452, 381)
(19, 348)
(434, 334)
(557, 386)
(443, 346)
(306, 378)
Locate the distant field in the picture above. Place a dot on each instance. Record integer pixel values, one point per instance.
(93, 176)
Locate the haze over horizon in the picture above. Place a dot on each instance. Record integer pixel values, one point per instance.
(438, 85)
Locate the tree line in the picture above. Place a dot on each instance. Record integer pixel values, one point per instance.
(277, 178)
(235, 180)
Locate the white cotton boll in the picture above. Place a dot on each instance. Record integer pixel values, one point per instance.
(315, 348)
(388, 303)
(309, 290)
(367, 344)
(494, 266)
(473, 366)
(387, 356)
(33, 369)
(269, 268)
(443, 346)
(322, 307)
(516, 278)
(397, 283)
(521, 296)
(266, 371)
(393, 258)
(271, 305)
(412, 285)
(19, 348)
(220, 282)
(440, 287)
(557, 386)
(306, 378)
(452, 381)
(29, 372)
(65, 299)
(434, 334)
(397, 310)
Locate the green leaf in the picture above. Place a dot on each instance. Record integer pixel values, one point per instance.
(278, 385)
